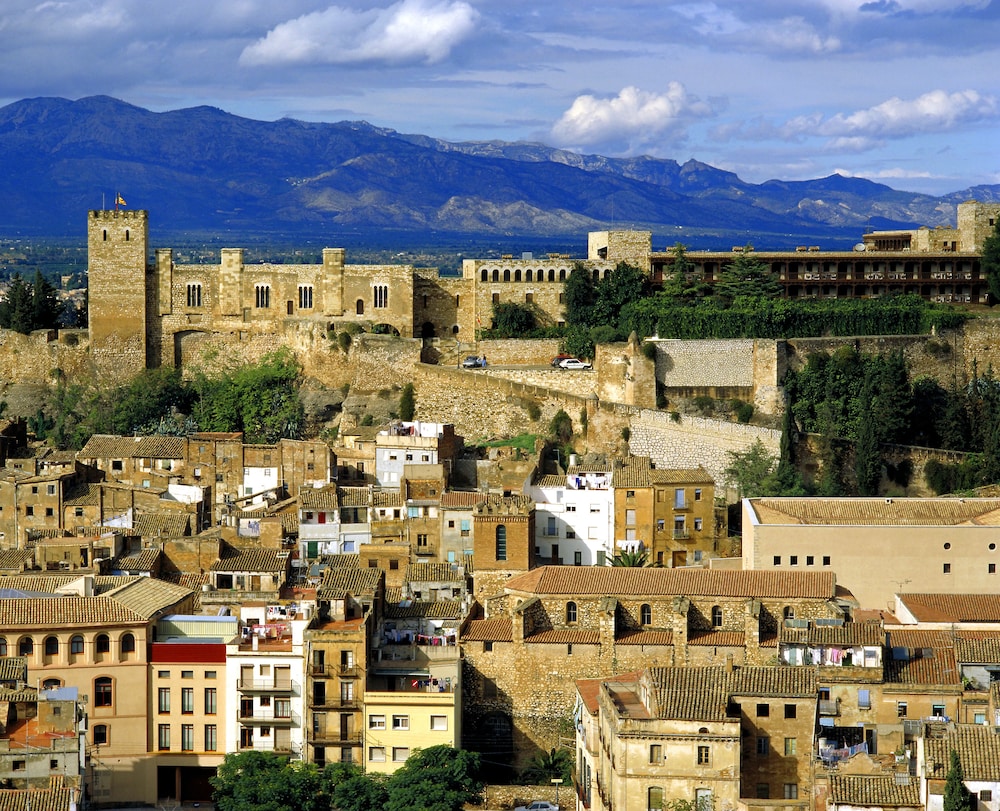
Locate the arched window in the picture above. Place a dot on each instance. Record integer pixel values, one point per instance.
(127, 235)
(51, 684)
(716, 616)
(103, 695)
(552, 274)
(562, 274)
(654, 798)
(262, 296)
(496, 275)
(128, 643)
(103, 644)
(789, 613)
(26, 646)
(645, 614)
(76, 644)
(485, 275)
(360, 307)
(101, 734)
(3, 646)
(527, 275)
(517, 275)
(597, 274)
(506, 275)
(380, 296)
(570, 612)
(51, 646)
(501, 542)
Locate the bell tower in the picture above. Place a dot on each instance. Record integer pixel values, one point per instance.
(117, 245)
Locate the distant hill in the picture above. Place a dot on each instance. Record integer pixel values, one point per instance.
(202, 170)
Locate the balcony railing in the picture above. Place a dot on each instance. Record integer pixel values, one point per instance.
(292, 719)
(268, 686)
(829, 708)
(681, 535)
(335, 736)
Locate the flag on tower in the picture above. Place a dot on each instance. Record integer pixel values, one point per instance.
(119, 200)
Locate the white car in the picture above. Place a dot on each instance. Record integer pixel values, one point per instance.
(573, 363)
(538, 805)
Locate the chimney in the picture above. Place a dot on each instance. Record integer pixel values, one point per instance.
(729, 663)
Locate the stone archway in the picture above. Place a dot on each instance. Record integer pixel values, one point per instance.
(187, 346)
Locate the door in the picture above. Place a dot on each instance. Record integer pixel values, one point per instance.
(678, 559)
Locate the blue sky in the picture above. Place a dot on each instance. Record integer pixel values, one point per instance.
(906, 92)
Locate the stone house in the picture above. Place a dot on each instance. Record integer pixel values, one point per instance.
(872, 792)
(978, 749)
(544, 628)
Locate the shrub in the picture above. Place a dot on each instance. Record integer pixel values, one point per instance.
(626, 433)
(649, 350)
(407, 403)
(744, 411)
(344, 340)
(368, 419)
(561, 427)
(703, 403)
(534, 411)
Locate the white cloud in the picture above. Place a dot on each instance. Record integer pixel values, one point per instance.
(408, 31)
(634, 116)
(854, 7)
(887, 174)
(936, 111)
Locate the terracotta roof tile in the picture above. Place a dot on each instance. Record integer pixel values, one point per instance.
(930, 658)
(354, 496)
(873, 791)
(633, 471)
(13, 668)
(497, 629)
(51, 799)
(13, 560)
(136, 447)
(978, 748)
(149, 596)
(340, 581)
(695, 475)
(934, 512)
(689, 693)
(728, 639)
(564, 637)
(438, 609)
(978, 651)
(319, 498)
(54, 611)
(646, 638)
(145, 560)
(953, 607)
(851, 634)
(250, 559)
(459, 499)
(162, 524)
(426, 572)
(628, 581)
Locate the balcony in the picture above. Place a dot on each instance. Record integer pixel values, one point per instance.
(268, 686)
(334, 737)
(829, 708)
(290, 720)
(682, 535)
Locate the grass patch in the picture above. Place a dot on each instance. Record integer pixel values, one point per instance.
(524, 442)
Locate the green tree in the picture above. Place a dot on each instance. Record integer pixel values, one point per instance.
(439, 778)
(746, 277)
(545, 767)
(630, 558)
(350, 789)
(578, 342)
(684, 282)
(956, 795)
(16, 309)
(561, 427)
(621, 286)
(579, 295)
(263, 781)
(407, 403)
(990, 261)
(867, 451)
(512, 320)
(46, 309)
(749, 470)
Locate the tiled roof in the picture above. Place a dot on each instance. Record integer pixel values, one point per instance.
(144, 560)
(727, 639)
(88, 494)
(934, 512)
(689, 693)
(550, 481)
(851, 634)
(459, 499)
(338, 582)
(13, 668)
(250, 559)
(354, 496)
(13, 560)
(53, 583)
(106, 446)
(646, 638)
(564, 637)
(51, 799)
(930, 658)
(428, 572)
(873, 790)
(630, 581)
(496, 629)
(694, 475)
(438, 609)
(387, 498)
(985, 651)
(978, 748)
(345, 560)
(633, 471)
(953, 607)
(789, 682)
(495, 504)
(319, 498)
(148, 596)
(162, 524)
(55, 611)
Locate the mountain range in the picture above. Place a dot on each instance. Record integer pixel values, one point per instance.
(204, 171)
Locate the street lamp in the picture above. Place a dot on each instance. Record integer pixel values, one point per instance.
(556, 781)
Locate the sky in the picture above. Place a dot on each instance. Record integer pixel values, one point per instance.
(904, 92)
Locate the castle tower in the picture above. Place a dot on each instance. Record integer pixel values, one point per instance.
(117, 243)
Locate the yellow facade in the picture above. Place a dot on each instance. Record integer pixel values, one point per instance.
(397, 724)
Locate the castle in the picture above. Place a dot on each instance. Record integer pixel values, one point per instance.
(146, 314)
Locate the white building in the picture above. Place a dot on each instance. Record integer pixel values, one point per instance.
(574, 516)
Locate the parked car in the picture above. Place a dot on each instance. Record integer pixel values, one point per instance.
(573, 363)
(538, 805)
(559, 359)
(474, 362)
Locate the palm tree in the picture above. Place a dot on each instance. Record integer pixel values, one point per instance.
(544, 767)
(633, 558)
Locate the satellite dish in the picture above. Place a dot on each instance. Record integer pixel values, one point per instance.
(860, 247)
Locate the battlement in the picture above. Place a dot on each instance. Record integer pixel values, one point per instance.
(112, 215)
